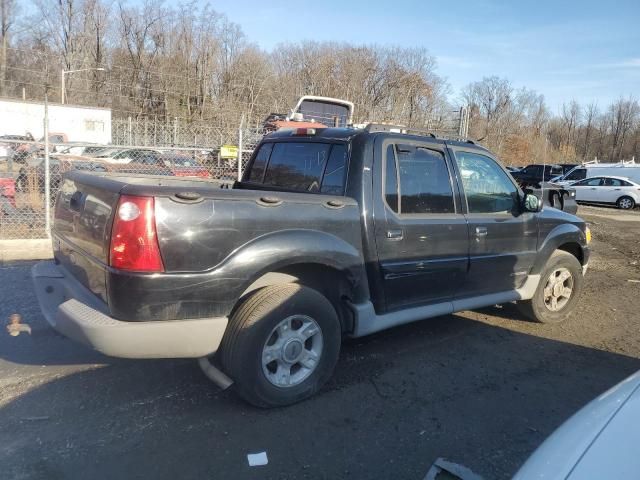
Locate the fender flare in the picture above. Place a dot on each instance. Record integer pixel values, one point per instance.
(560, 235)
(278, 250)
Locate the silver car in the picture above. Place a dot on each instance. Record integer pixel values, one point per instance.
(601, 441)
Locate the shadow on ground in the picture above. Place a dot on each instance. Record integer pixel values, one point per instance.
(449, 387)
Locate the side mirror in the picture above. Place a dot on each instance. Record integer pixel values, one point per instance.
(532, 203)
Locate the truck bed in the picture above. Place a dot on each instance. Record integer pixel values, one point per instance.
(203, 228)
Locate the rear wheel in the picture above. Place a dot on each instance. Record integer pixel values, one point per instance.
(626, 203)
(558, 291)
(281, 345)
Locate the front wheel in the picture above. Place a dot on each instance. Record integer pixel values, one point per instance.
(281, 345)
(626, 203)
(558, 291)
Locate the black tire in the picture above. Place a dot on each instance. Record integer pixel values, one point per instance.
(252, 324)
(536, 309)
(626, 203)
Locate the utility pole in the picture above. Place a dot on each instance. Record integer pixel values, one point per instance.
(64, 72)
(240, 147)
(47, 173)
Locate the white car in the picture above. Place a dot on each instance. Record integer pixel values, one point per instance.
(580, 172)
(125, 155)
(620, 191)
(599, 442)
(5, 152)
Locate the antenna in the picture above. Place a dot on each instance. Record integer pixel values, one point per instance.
(544, 169)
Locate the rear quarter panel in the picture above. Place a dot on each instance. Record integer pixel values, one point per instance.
(195, 237)
(215, 248)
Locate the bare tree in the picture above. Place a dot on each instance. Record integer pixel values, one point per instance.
(186, 60)
(623, 118)
(590, 116)
(8, 13)
(142, 36)
(489, 99)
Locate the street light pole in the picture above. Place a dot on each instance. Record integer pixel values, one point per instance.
(63, 72)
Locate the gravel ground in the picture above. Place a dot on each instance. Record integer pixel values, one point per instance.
(479, 388)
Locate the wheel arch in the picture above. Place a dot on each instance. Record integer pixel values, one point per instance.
(574, 249)
(627, 195)
(335, 284)
(566, 237)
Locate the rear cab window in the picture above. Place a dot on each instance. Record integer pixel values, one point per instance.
(301, 166)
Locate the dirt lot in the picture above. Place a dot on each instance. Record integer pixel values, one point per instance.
(479, 388)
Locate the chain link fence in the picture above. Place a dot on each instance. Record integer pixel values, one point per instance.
(28, 187)
(26, 183)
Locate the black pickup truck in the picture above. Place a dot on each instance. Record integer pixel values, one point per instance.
(534, 174)
(331, 233)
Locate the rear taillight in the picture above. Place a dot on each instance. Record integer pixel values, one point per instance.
(134, 241)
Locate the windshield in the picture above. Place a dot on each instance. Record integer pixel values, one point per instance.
(179, 161)
(107, 152)
(329, 114)
(73, 150)
(576, 174)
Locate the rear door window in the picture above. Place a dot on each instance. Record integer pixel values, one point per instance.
(425, 184)
(589, 182)
(391, 180)
(615, 182)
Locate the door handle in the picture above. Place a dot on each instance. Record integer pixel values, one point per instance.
(594, 188)
(394, 234)
(617, 189)
(481, 231)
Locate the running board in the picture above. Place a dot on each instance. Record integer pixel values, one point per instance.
(367, 321)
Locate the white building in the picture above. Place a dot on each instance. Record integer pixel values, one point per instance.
(79, 124)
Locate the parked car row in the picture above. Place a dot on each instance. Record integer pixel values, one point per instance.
(604, 183)
(599, 183)
(581, 172)
(535, 174)
(31, 175)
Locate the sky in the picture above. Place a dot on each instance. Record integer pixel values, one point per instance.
(580, 50)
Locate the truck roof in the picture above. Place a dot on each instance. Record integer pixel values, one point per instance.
(341, 133)
(349, 133)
